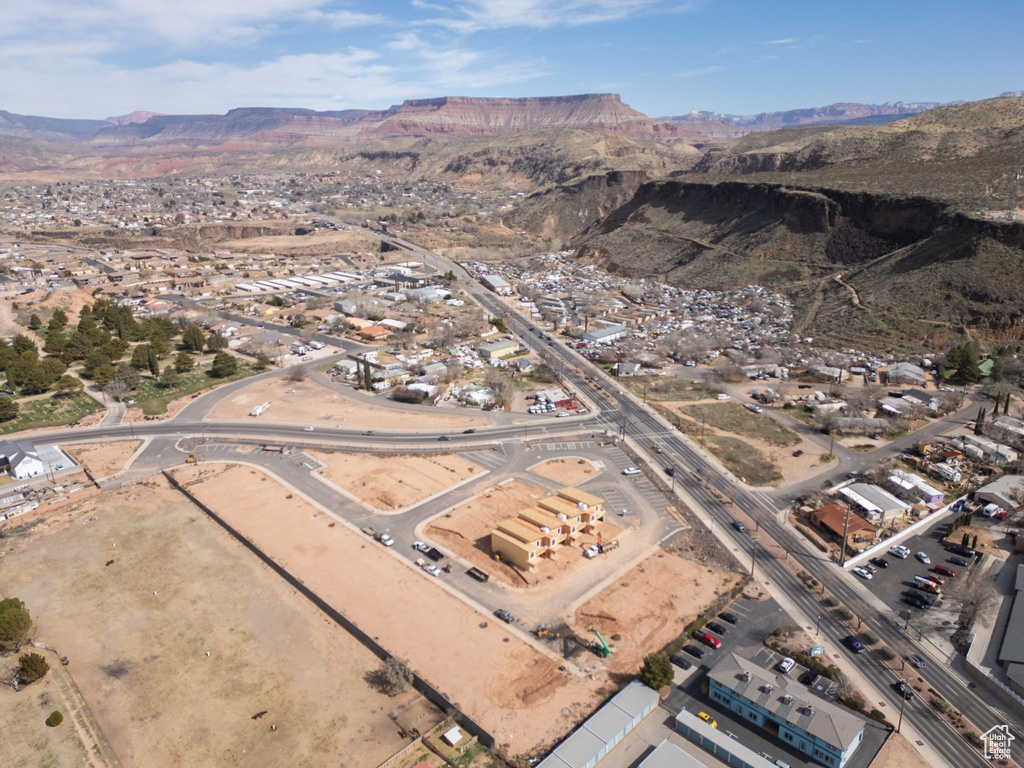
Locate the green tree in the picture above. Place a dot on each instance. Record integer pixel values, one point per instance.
(140, 357)
(979, 422)
(55, 719)
(8, 409)
(192, 339)
(657, 671)
(35, 322)
(184, 362)
(22, 343)
(128, 376)
(262, 363)
(969, 371)
(15, 624)
(33, 667)
(224, 365)
(170, 377)
(215, 343)
(59, 317)
(102, 375)
(1006, 405)
(996, 373)
(151, 361)
(367, 375)
(68, 384)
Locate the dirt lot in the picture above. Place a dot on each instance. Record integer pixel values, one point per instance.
(325, 241)
(466, 530)
(317, 406)
(566, 471)
(898, 753)
(394, 482)
(512, 689)
(104, 459)
(649, 606)
(138, 619)
(28, 741)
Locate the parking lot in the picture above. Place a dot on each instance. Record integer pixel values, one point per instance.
(892, 583)
(755, 622)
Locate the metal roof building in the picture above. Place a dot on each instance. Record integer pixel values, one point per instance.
(589, 743)
(668, 755)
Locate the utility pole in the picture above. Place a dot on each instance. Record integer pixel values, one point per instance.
(842, 545)
(753, 560)
(903, 703)
(817, 627)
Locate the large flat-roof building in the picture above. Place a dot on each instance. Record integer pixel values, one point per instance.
(606, 334)
(825, 732)
(604, 729)
(1011, 653)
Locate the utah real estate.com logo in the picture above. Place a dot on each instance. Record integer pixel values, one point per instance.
(997, 742)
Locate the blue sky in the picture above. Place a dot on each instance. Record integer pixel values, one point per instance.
(97, 58)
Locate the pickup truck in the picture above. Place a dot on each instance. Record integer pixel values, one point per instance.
(476, 573)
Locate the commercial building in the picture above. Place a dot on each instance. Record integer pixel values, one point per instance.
(874, 503)
(837, 519)
(496, 283)
(1001, 491)
(905, 373)
(21, 458)
(604, 729)
(498, 349)
(605, 335)
(1011, 653)
(541, 530)
(813, 726)
(668, 755)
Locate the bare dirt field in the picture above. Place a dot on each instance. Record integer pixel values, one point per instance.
(309, 403)
(648, 606)
(28, 741)
(104, 459)
(138, 619)
(510, 687)
(326, 241)
(898, 753)
(568, 471)
(466, 530)
(394, 482)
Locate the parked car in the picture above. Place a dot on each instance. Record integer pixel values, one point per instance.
(708, 639)
(914, 601)
(681, 661)
(419, 546)
(715, 627)
(878, 561)
(899, 551)
(708, 719)
(739, 526)
(798, 454)
(855, 645)
(729, 618)
(631, 471)
(504, 615)
(810, 677)
(693, 650)
(923, 557)
(785, 666)
(959, 561)
(386, 540)
(916, 660)
(864, 573)
(945, 570)
(432, 569)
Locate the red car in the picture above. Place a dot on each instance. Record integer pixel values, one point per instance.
(944, 571)
(708, 639)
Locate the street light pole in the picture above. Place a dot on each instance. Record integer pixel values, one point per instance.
(903, 703)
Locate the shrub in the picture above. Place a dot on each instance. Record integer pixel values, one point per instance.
(869, 638)
(829, 602)
(886, 654)
(657, 671)
(878, 715)
(854, 702)
(940, 704)
(394, 676)
(974, 739)
(844, 613)
(33, 666)
(55, 719)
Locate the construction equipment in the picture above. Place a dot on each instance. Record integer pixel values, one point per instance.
(191, 459)
(541, 632)
(600, 646)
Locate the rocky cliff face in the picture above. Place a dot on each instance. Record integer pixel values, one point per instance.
(920, 272)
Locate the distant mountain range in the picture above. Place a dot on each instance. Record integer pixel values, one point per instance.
(450, 115)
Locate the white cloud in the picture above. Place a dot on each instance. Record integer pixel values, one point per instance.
(478, 15)
(700, 71)
(780, 41)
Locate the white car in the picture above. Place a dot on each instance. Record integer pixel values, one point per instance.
(721, 396)
(631, 471)
(899, 551)
(386, 540)
(562, 416)
(786, 665)
(432, 569)
(923, 558)
(864, 573)
(419, 546)
(307, 429)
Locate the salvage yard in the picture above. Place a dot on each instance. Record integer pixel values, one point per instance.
(177, 637)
